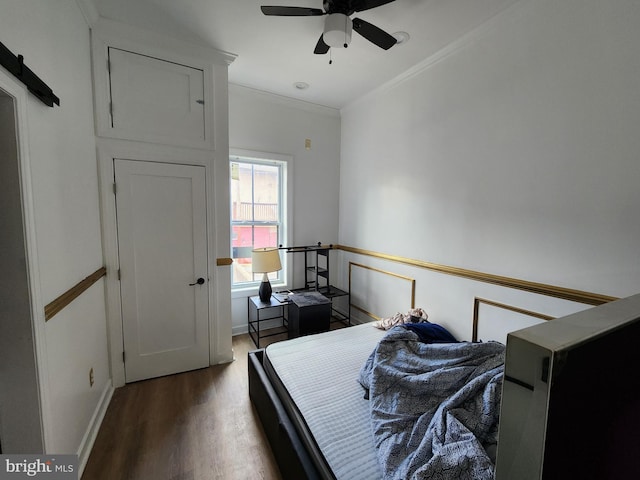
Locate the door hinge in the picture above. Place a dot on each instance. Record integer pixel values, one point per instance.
(111, 109)
(123, 357)
(119, 275)
(115, 189)
(108, 65)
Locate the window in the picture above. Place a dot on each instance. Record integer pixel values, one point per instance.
(258, 214)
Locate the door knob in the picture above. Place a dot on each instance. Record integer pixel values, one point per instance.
(200, 281)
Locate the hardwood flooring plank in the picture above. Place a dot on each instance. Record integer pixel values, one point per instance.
(191, 426)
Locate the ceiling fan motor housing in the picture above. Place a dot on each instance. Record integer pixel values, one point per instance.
(338, 24)
(337, 30)
(348, 7)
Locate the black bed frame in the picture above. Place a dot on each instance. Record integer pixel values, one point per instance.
(293, 459)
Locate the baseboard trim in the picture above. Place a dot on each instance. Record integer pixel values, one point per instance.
(239, 330)
(94, 427)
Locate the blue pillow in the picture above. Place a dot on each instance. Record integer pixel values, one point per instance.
(430, 332)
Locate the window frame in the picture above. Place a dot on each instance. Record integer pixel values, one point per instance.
(286, 209)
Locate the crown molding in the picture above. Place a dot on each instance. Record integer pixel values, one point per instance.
(283, 100)
(509, 13)
(124, 35)
(89, 11)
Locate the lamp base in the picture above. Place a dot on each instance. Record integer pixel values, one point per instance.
(265, 290)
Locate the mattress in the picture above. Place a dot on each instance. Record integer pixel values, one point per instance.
(319, 373)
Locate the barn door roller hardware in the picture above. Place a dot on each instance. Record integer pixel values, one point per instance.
(15, 65)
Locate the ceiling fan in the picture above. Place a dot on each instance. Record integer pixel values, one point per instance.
(338, 24)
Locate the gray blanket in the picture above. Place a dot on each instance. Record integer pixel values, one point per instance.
(434, 407)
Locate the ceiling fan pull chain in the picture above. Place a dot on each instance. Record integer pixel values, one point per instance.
(346, 19)
(330, 57)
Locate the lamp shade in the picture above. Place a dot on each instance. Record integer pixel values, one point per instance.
(265, 260)
(337, 30)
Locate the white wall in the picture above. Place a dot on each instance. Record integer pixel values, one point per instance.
(267, 123)
(54, 39)
(513, 152)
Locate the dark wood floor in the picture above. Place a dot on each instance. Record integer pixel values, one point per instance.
(191, 426)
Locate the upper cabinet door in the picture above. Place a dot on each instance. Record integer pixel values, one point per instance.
(155, 100)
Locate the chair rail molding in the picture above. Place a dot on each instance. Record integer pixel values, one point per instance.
(578, 296)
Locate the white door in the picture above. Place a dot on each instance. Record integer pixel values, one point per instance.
(156, 100)
(162, 244)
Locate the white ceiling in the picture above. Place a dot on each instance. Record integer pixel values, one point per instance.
(273, 53)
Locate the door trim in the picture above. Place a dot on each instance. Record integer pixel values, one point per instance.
(219, 330)
(214, 156)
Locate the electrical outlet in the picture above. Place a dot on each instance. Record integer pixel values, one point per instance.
(91, 377)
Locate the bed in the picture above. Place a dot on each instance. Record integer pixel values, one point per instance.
(318, 396)
(334, 362)
(310, 394)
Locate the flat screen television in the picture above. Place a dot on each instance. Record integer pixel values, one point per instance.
(570, 402)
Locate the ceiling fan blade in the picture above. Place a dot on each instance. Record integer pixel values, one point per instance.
(374, 34)
(368, 4)
(291, 11)
(321, 47)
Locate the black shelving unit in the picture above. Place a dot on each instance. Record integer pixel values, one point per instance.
(316, 268)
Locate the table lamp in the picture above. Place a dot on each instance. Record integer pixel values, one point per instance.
(265, 260)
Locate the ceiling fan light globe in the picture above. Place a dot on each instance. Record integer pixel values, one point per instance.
(337, 30)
